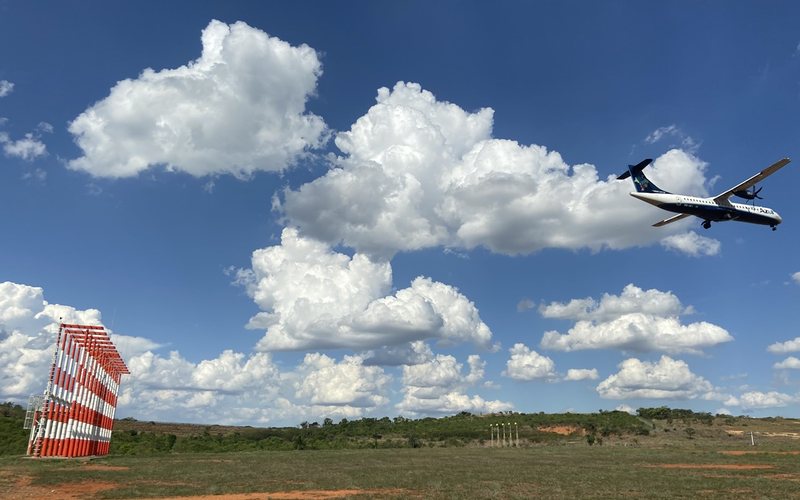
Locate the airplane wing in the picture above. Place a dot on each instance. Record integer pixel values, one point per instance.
(672, 219)
(752, 181)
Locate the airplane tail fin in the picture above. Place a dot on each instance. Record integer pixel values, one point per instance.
(640, 181)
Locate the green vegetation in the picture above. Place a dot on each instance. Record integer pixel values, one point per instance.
(650, 425)
(13, 438)
(665, 413)
(132, 437)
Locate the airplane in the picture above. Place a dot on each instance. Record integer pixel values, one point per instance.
(713, 209)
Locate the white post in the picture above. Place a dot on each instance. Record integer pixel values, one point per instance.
(752, 440)
(516, 431)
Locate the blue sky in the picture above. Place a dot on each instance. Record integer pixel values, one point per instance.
(289, 211)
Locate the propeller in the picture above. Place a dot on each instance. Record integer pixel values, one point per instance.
(748, 194)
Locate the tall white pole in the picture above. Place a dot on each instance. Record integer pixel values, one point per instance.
(516, 431)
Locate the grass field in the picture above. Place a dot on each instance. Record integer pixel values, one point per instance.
(683, 455)
(705, 468)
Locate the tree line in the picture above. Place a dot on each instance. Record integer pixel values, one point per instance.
(463, 429)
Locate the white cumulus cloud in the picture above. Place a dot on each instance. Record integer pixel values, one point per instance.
(665, 379)
(756, 400)
(441, 373)
(412, 353)
(785, 347)
(348, 383)
(525, 305)
(626, 409)
(417, 172)
(692, 244)
(632, 300)
(6, 87)
(527, 364)
(636, 320)
(129, 346)
(790, 363)
(237, 109)
(684, 140)
(28, 148)
(28, 329)
(314, 298)
(796, 277)
(236, 387)
(439, 387)
(574, 374)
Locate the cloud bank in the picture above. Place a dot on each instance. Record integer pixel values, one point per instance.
(636, 320)
(233, 387)
(754, 400)
(439, 386)
(417, 173)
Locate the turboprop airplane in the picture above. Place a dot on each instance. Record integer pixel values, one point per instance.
(714, 209)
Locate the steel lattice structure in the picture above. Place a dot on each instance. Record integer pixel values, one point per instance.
(75, 415)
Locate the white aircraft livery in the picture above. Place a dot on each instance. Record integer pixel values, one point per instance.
(714, 209)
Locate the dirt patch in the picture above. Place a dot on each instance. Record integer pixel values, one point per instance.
(793, 435)
(784, 477)
(562, 430)
(712, 466)
(304, 495)
(23, 489)
(67, 491)
(737, 453)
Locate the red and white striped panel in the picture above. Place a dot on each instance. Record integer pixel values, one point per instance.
(81, 399)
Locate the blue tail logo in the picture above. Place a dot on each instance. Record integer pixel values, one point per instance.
(642, 183)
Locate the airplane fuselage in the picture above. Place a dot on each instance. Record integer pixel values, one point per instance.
(709, 210)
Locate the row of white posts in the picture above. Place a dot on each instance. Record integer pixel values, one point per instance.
(501, 435)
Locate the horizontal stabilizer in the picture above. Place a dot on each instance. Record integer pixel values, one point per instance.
(635, 168)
